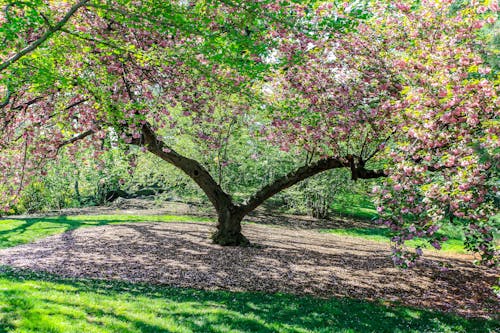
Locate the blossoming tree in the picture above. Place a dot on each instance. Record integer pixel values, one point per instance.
(394, 90)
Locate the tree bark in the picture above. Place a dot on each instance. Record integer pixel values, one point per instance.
(229, 227)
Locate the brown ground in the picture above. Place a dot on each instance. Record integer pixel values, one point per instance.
(148, 206)
(288, 260)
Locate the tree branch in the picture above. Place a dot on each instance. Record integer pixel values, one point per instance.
(30, 48)
(6, 100)
(78, 137)
(220, 199)
(28, 103)
(358, 172)
(290, 179)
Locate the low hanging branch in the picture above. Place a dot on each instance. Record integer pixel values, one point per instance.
(74, 139)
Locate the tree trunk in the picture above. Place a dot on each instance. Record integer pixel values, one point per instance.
(230, 215)
(229, 228)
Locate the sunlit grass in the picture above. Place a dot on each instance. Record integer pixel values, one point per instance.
(384, 235)
(354, 205)
(43, 303)
(361, 207)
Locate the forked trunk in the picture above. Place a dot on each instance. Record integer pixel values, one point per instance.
(229, 228)
(230, 215)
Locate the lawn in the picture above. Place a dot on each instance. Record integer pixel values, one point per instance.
(361, 207)
(34, 302)
(42, 303)
(454, 243)
(355, 205)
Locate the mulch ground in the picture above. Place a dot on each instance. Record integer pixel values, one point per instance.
(289, 260)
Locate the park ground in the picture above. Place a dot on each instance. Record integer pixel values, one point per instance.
(124, 269)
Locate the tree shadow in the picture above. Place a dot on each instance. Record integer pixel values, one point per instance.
(286, 261)
(26, 230)
(147, 308)
(269, 217)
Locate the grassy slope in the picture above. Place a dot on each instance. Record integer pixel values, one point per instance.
(360, 206)
(42, 303)
(355, 205)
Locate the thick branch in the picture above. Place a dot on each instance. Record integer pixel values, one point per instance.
(30, 48)
(291, 179)
(74, 139)
(304, 172)
(28, 103)
(362, 173)
(220, 199)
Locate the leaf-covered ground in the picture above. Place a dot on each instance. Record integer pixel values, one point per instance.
(282, 260)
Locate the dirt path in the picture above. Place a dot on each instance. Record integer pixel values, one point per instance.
(282, 260)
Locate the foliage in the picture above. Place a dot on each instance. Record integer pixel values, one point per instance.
(445, 163)
(315, 196)
(45, 303)
(73, 183)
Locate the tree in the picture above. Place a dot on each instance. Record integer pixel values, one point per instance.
(446, 163)
(337, 83)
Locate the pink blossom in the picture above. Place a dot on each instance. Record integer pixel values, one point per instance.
(481, 9)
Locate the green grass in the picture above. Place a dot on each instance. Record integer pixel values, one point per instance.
(453, 244)
(43, 303)
(24, 230)
(360, 206)
(354, 205)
